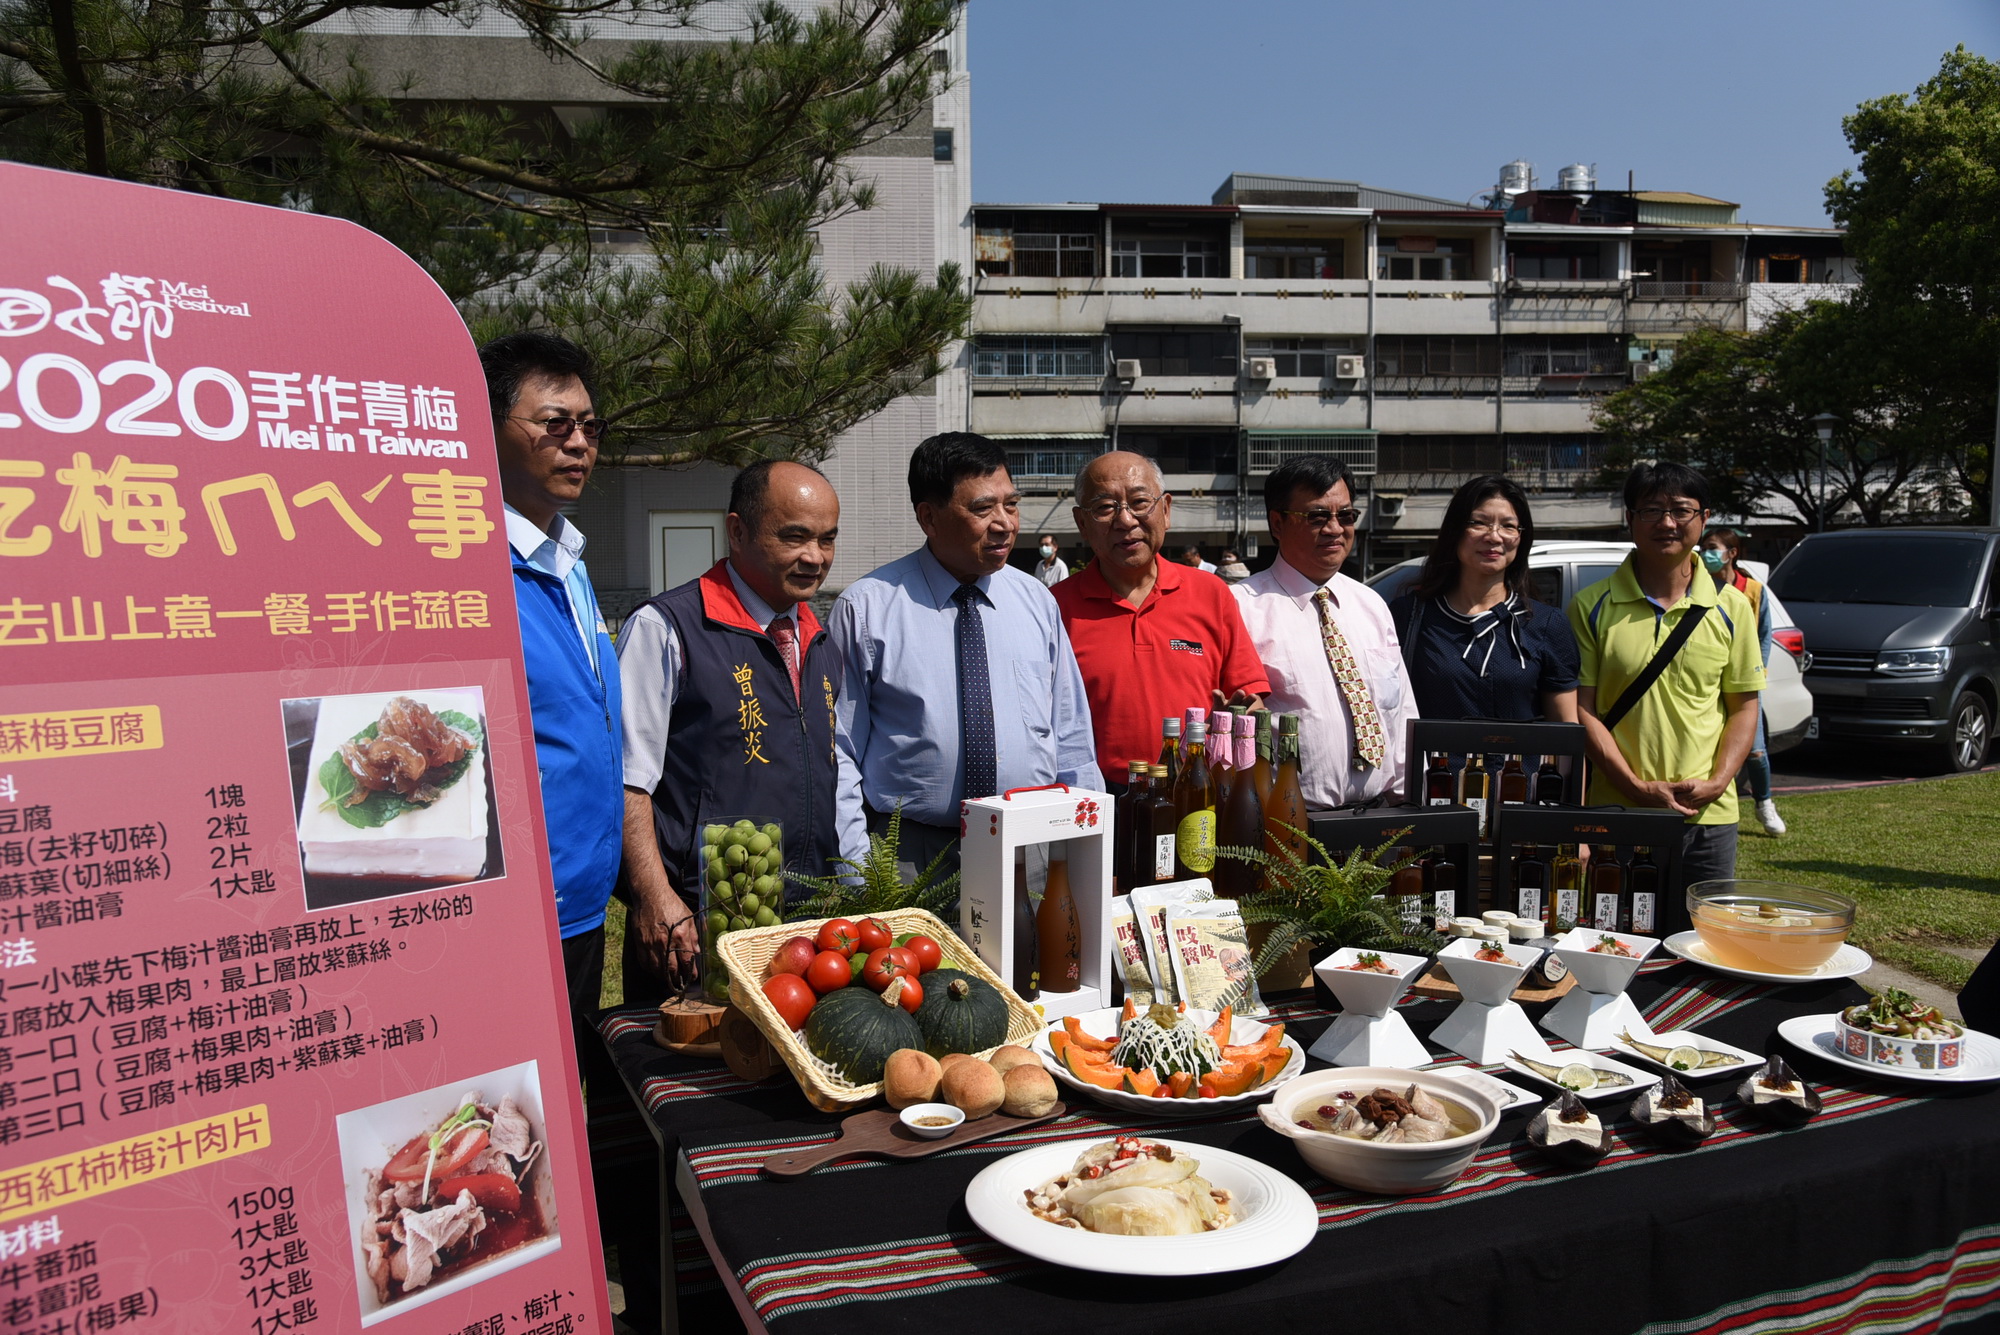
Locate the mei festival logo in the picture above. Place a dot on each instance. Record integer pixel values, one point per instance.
(132, 308)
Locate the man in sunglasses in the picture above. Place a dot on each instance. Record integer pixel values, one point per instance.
(1328, 644)
(1673, 738)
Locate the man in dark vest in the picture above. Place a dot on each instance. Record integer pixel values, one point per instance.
(730, 687)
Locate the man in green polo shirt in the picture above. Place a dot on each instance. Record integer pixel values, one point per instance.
(1680, 744)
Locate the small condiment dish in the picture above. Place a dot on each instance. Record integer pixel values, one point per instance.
(917, 1114)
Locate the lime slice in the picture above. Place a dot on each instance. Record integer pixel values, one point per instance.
(1577, 1077)
(1684, 1058)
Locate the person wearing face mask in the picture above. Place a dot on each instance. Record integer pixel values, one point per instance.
(1476, 645)
(1051, 570)
(1720, 548)
(957, 678)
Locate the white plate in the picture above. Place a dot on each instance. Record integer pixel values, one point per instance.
(1641, 1080)
(1511, 1097)
(1104, 1024)
(1275, 1217)
(1815, 1034)
(1847, 962)
(1745, 1059)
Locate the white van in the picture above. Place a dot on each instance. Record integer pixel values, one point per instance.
(1557, 570)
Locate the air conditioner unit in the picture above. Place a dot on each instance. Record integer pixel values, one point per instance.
(1128, 369)
(1640, 370)
(1352, 367)
(1388, 506)
(1263, 368)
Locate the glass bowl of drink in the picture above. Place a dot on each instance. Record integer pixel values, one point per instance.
(1768, 926)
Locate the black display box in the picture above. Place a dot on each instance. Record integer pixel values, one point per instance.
(1504, 737)
(1623, 827)
(1452, 830)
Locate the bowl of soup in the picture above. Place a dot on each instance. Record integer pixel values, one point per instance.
(1769, 926)
(1382, 1128)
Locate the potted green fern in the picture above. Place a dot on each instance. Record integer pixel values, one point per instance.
(1307, 907)
(876, 885)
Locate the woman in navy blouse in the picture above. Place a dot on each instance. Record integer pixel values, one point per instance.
(1477, 646)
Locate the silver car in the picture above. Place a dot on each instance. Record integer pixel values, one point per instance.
(1558, 569)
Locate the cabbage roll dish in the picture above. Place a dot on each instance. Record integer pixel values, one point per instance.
(1134, 1187)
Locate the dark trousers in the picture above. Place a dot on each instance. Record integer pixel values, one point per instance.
(1708, 853)
(920, 842)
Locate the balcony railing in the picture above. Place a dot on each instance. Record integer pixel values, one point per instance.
(1539, 467)
(1648, 289)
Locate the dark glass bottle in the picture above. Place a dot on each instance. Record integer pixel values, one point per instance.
(1441, 886)
(1163, 826)
(1406, 889)
(1170, 750)
(1194, 803)
(1058, 937)
(1285, 809)
(1531, 884)
(1027, 977)
(1549, 784)
(1642, 892)
(1240, 820)
(1440, 789)
(1513, 783)
(1130, 863)
(1221, 757)
(1475, 788)
(1608, 909)
(1267, 771)
(1566, 887)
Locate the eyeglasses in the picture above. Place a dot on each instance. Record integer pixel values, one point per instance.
(1506, 528)
(560, 427)
(1107, 510)
(1347, 518)
(1679, 514)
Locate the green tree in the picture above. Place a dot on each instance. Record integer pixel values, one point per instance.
(673, 234)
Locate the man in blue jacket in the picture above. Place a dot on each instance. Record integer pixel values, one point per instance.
(547, 436)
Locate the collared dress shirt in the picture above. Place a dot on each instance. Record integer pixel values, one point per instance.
(1278, 610)
(650, 667)
(559, 552)
(896, 718)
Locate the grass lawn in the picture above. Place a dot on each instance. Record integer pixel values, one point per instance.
(1921, 859)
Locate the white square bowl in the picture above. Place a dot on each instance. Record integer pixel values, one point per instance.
(1369, 993)
(1484, 981)
(1603, 974)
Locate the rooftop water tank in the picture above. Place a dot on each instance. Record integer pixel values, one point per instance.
(1577, 179)
(1517, 176)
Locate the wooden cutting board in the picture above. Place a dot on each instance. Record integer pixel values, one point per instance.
(880, 1134)
(1440, 988)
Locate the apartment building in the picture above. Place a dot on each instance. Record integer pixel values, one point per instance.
(651, 528)
(1422, 340)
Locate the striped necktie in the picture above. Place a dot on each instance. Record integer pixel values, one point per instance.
(1369, 747)
(975, 698)
(787, 641)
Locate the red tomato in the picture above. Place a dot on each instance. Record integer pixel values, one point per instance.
(1206, 1090)
(875, 934)
(792, 997)
(794, 957)
(495, 1191)
(912, 995)
(829, 972)
(414, 1158)
(886, 964)
(926, 952)
(837, 934)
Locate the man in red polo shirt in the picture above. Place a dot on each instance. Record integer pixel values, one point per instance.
(1152, 637)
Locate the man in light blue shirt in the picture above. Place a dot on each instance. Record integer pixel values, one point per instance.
(958, 680)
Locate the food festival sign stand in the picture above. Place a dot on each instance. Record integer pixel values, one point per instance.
(250, 521)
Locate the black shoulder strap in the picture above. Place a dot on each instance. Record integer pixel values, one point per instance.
(1644, 681)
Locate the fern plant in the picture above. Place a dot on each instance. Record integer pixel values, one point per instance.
(1328, 902)
(875, 884)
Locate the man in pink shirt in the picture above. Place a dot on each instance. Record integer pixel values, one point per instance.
(1328, 645)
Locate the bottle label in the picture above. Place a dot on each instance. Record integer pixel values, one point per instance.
(1642, 911)
(1195, 842)
(1163, 857)
(1410, 909)
(1566, 905)
(1445, 905)
(1606, 916)
(1529, 905)
(1439, 802)
(1478, 804)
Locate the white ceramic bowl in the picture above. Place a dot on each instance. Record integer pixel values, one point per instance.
(1369, 993)
(916, 1112)
(1104, 1024)
(1605, 975)
(1483, 981)
(1897, 1053)
(1394, 1170)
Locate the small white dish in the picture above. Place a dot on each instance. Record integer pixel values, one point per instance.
(1850, 961)
(1275, 1217)
(1641, 1080)
(1746, 1060)
(1511, 1097)
(914, 1115)
(1816, 1034)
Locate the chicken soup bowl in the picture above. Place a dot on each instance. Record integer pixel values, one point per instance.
(1769, 926)
(1401, 1168)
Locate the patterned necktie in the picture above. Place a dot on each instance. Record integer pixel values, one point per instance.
(1368, 742)
(783, 636)
(975, 698)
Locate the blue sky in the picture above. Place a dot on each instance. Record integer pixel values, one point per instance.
(1159, 100)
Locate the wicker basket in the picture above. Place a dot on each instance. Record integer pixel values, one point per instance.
(747, 955)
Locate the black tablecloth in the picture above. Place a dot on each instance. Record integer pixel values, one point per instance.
(1883, 1212)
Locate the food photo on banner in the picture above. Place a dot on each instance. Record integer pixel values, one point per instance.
(283, 993)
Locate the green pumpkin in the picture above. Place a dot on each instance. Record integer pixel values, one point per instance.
(856, 1030)
(961, 1013)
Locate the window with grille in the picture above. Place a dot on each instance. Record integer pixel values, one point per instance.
(1210, 351)
(1436, 355)
(1311, 357)
(1440, 454)
(1316, 259)
(1029, 355)
(1429, 259)
(1564, 354)
(1052, 460)
(1167, 257)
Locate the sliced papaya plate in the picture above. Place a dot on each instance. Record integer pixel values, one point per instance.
(1143, 1083)
(1090, 1073)
(1219, 1031)
(1074, 1028)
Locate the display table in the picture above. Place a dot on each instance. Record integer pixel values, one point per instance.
(1883, 1212)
